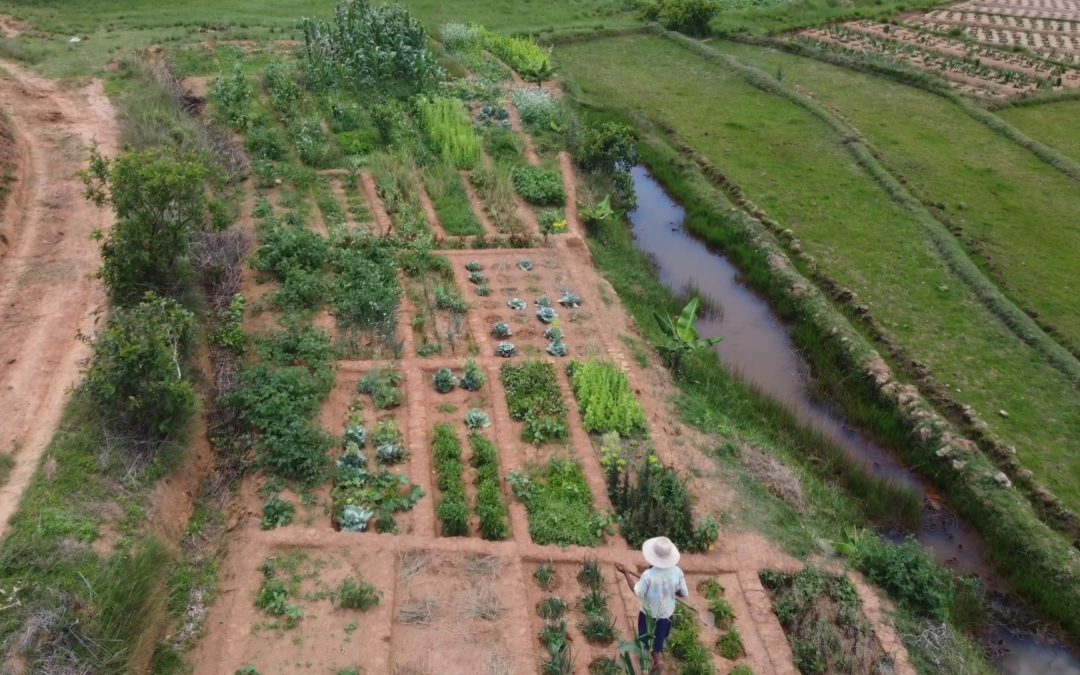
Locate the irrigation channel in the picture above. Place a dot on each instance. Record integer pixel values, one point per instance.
(757, 347)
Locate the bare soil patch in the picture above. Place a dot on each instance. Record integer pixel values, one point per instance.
(47, 293)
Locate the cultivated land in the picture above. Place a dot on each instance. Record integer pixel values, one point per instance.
(386, 464)
(796, 169)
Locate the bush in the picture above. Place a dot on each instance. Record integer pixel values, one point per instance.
(909, 575)
(444, 380)
(266, 142)
(159, 199)
(686, 16)
(277, 513)
(356, 593)
(384, 388)
(685, 645)
(477, 419)
(604, 396)
(730, 645)
(539, 185)
(136, 379)
(473, 379)
(366, 290)
(232, 96)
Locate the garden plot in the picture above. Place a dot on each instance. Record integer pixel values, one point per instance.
(1048, 30)
(326, 610)
(529, 300)
(438, 310)
(378, 461)
(577, 614)
(972, 68)
(457, 613)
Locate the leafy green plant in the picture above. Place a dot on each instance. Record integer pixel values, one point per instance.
(684, 643)
(557, 348)
(730, 645)
(230, 333)
(534, 397)
(447, 298)
(682, 336)
(517, 304)
(277, 513)
(505, 349)
(605, 398)
(908, 574)
(359, 495)
(444, 380)
(355, 593)
(598, 628)
(722, 612)
(539, 185)
(525, 265)
(559, 504)
(501, 330)
(490, 506)
(273, 597)
(596, 214)
(546, 314)
(383, 386)
(357, 435)
(742, 669)
(473, 378)
(477, 419)
(231, 95)
(556, 642)
(591, 575)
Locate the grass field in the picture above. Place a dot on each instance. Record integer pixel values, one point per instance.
(1055, 124)
(797, 170)
(1017, 213)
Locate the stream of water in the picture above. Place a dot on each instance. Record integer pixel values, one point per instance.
(757, 346)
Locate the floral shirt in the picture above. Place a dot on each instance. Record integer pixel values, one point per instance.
(657, 588)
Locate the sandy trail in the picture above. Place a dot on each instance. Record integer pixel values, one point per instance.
(47, 290)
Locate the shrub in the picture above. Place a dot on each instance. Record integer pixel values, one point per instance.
(490, 506)
(159, 199)
(266, 142)
(288, 248)
(545, 576)
(354, 593)
(230, 333)
(387, 441)
(686, 16)
(366, 290)
(136, 378)
(452, 511)
(501, 330)
(539, 185)
(232, 97)
(277, 513)
(444, 380)
(655, 499)
(909, 575)
(685, 645)
(551, 608)
(604, 396)
(534, 397)
(607, 148)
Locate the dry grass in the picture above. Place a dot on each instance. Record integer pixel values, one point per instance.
(412, 563)
(500, 663)
(418, 666)
(418, 613)
(482, 565)
(777, 477)
(483, 605)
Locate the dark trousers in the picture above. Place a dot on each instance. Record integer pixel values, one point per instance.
(660, 634)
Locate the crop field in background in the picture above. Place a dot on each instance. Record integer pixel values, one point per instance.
(796, 169)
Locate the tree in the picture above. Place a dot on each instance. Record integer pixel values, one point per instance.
(136, 378)
(159, 199)
(682, 336)
(540, 72)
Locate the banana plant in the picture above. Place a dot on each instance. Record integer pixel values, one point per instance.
(682, 336)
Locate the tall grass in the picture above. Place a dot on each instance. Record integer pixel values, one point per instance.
(449, 130)
(495, 187)
(523, 55)
(447, 192)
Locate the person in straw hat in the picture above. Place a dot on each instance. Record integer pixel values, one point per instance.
(657, 588)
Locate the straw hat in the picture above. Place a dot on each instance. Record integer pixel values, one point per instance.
(660, 552)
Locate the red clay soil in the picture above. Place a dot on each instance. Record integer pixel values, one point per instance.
(47, 261)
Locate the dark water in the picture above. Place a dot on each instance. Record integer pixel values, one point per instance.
(757, 346)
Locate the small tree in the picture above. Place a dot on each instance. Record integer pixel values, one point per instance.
(136, 378)
(159, 200)
(540, 72)
(682, 336)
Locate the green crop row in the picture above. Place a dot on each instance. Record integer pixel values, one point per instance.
(560, 504)
(534, 397)
(607, 403)
(490, 506)
(453, 508)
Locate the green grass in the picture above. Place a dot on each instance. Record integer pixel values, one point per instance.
(777, 16)
(1017, 213)
(108, 25)
(791, 165)
(1051, 123)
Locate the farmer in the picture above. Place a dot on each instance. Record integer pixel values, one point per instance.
(658, 587)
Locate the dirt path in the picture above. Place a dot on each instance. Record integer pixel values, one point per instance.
(47, 293)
